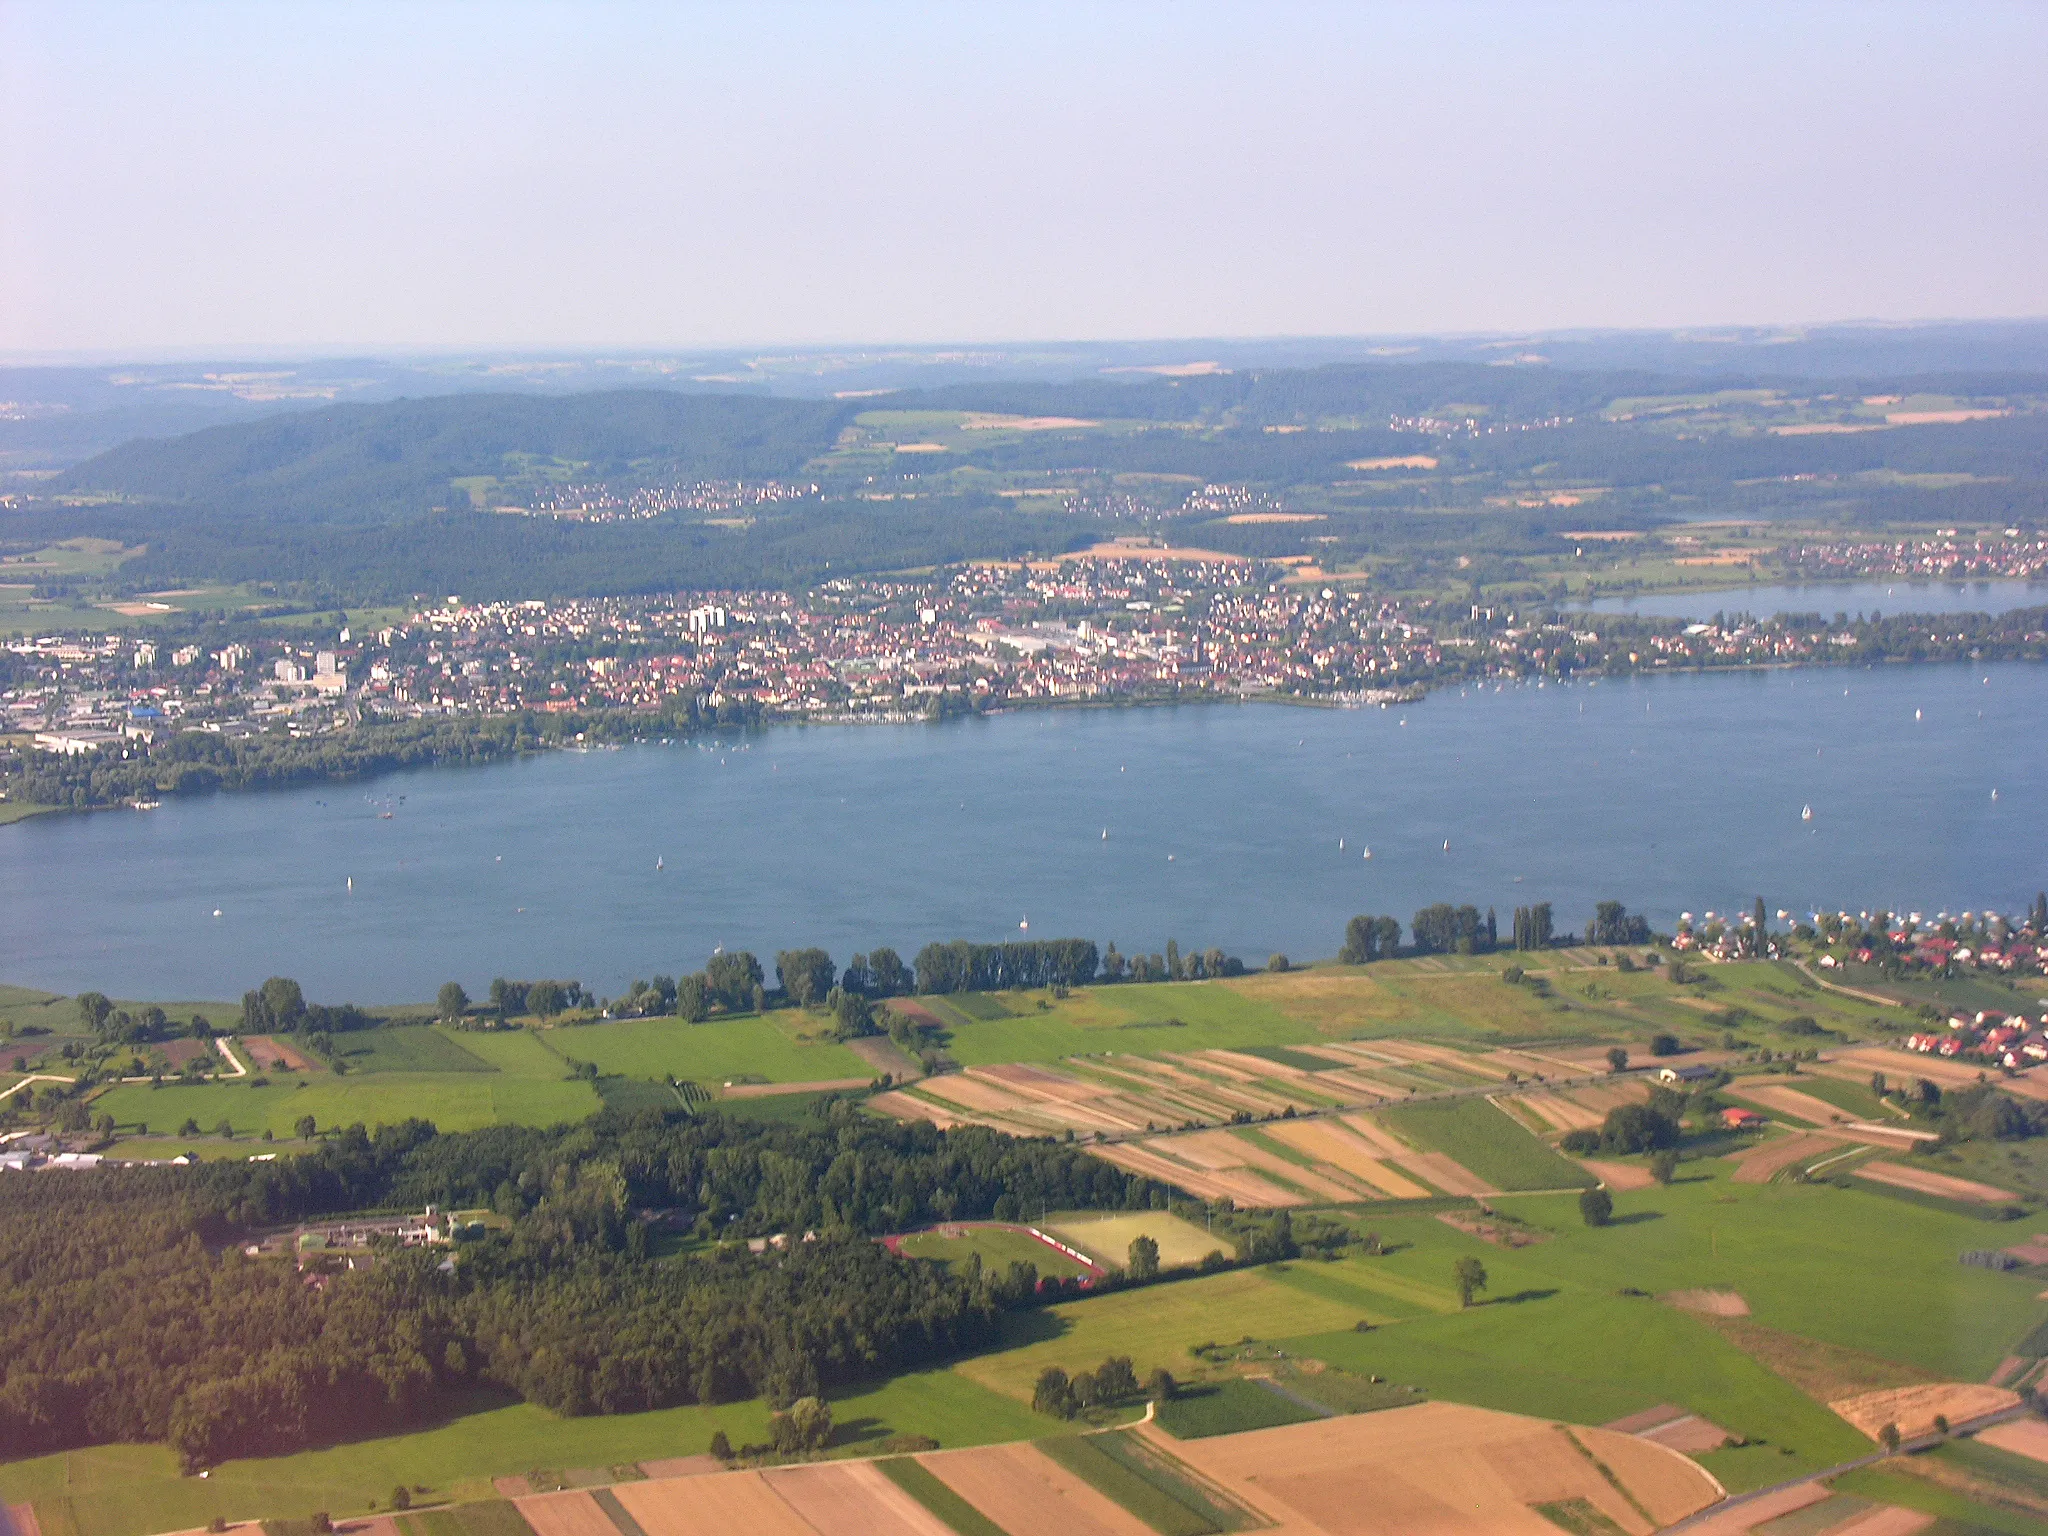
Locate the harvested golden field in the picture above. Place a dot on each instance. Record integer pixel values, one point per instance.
(574, 1513)
(1913, 1409)
(1245, 1188)
(1026, 1493)
(702, 1506)
(1441, 1468)
(1343, 1150)
(1901, 1176)
(852, 1499)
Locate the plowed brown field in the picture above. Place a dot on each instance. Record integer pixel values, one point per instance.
(1440, 1468)
(1900, 1176)
(704, 1506)
(574, 1513)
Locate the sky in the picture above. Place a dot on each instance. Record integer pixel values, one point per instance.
(438, 175)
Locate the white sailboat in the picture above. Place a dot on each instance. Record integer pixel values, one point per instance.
(1806, 813)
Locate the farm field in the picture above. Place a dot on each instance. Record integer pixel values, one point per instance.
(1484, 1138)
(133, 1490)
(1446, 1467)
(710, 1053)
(476, 1080)
(1154, 1325)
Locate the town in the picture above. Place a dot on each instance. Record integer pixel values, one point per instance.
(1130, 622)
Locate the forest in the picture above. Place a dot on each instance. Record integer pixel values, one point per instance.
(137, 1316)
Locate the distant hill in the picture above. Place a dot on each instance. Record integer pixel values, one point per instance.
(385, 462)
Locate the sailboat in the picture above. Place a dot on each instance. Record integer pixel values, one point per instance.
(1806, 813)
(351, 882)
(1024, 926)
(1340, 845)
(1368, 853)
(1105, 834)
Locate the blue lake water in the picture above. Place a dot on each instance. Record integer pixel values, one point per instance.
(1223, 822)
(1831, 598)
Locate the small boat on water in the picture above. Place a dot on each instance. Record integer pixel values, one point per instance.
(1368, 853)
(1806, 813)
(657, 864)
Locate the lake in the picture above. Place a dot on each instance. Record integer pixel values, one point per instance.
(1830, 598)
(1243, 826)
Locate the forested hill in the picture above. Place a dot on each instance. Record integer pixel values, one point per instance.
(640, 490)
(357, 463)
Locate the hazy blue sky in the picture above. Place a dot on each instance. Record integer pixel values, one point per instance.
(467, 175)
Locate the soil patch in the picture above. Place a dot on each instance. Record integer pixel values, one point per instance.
(1712, 1302)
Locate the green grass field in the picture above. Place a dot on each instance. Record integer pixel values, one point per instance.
(1483, 1138)
(706, 1053)
(454, 1101)
(1155, 1325)
(1227, 1408)
(1118, 1479)
(408, 1050)
(130, 1490)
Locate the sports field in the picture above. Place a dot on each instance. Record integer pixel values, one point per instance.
(998, 1247)
(1108, 1238)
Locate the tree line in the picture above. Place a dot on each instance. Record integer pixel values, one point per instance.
(1442, 929)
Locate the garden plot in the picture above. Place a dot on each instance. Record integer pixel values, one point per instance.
(898, 1105)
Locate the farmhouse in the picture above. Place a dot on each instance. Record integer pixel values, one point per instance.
(1741, 1119)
